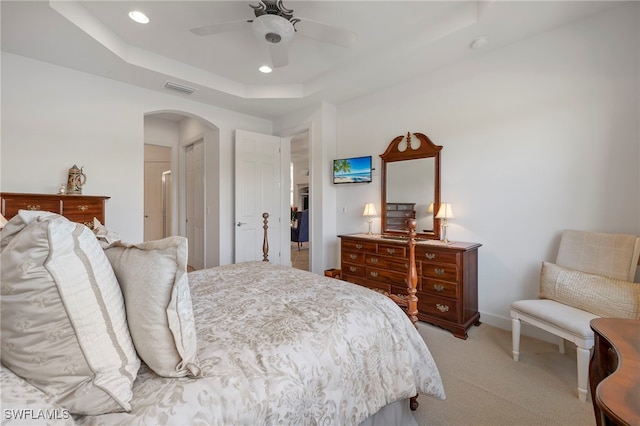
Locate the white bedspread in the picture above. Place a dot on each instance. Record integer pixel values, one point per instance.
(283, 346)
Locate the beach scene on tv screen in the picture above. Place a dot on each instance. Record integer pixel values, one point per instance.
(352, 170)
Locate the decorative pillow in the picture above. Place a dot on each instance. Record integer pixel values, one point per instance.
(18, 222)
(153, 278)
(606, 297)
(23, 404)
(64, 327)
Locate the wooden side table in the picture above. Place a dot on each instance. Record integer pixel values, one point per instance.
(614, 371)
(333, 273)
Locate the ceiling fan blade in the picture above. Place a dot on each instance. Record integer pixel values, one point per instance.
(222, 27)
(326, 33)
(279, 55)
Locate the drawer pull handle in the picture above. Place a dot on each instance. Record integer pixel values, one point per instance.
(374, 260)
(406, 266)
(430, 256)
(33, 207)
(353, 256)
(438, 287)
(391, 251)
(442, 308)
(438, 271)
(374, 274)
(353, 268)
(83, 207)
(359, 246)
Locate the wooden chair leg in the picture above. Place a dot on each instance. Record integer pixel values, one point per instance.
(413, 403)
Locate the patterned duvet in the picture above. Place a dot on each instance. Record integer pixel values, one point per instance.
(282, 346)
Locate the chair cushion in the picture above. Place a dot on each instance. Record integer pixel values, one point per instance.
(153, 278)
(610, 255)
(602, 296)
(64, 327)
(555, 314)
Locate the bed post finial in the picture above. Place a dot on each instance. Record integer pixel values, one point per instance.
(265, 240)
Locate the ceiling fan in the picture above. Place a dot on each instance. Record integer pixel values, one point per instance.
(276, 25)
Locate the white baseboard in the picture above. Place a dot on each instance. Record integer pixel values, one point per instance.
(527, 330)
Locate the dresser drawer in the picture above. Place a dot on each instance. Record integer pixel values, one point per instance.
(353, 257)
(385, 276)
(438, 288)
(389, 250)
(375, 285)
(439, 307)
(77, 208)
(10, 206)
(434, 255)
(349, 269)
(443, 272)
(394, 264)
(358, 246)
(354, 280)
(81, 208)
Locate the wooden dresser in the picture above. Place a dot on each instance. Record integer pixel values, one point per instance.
(77, 208)
(447, 276)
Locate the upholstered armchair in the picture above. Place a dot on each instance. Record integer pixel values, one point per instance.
(300, 233)
(592, 277)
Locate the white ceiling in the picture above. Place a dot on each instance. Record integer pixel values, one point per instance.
(396, 41)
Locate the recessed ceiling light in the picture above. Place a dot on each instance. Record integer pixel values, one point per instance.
(139, 17)
(265, 69)
(479, 42)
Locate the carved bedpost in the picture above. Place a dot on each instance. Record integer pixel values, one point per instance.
(412, 275)
(265, 240)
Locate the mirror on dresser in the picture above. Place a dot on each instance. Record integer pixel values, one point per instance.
(411, 186)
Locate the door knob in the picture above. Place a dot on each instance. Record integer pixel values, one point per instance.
(241, 223)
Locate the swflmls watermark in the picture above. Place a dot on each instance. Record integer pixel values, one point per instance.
(36, 414)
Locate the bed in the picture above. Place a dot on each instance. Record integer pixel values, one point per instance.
(274, 345)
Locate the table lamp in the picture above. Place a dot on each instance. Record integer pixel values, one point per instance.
(369, 211)
(445, 212)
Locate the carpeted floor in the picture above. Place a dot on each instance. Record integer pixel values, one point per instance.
(485, 386)
(300, 258)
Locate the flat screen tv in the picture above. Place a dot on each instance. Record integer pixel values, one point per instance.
(352, 170)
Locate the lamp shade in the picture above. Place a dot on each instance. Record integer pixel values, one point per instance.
(369, 210)
(445, 211)
(430, 208)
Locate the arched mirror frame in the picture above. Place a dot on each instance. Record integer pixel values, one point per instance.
(427, 149)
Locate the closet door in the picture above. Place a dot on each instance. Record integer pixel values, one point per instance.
(195, 203)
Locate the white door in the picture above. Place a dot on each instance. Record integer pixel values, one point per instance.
(257, 190)
(195, 203)
(153, 199)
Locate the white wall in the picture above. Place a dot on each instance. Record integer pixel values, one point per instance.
(54, 117)
(539, 136)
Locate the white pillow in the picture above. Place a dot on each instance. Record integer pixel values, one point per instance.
(606, 297)
(153, 278)
(63, 326)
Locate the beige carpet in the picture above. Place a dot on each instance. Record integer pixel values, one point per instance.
(484, 386)
(300, 258)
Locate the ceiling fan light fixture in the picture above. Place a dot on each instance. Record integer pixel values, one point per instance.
(266, 69)
(273, 28)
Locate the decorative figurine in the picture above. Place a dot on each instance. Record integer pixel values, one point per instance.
(76, 179)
